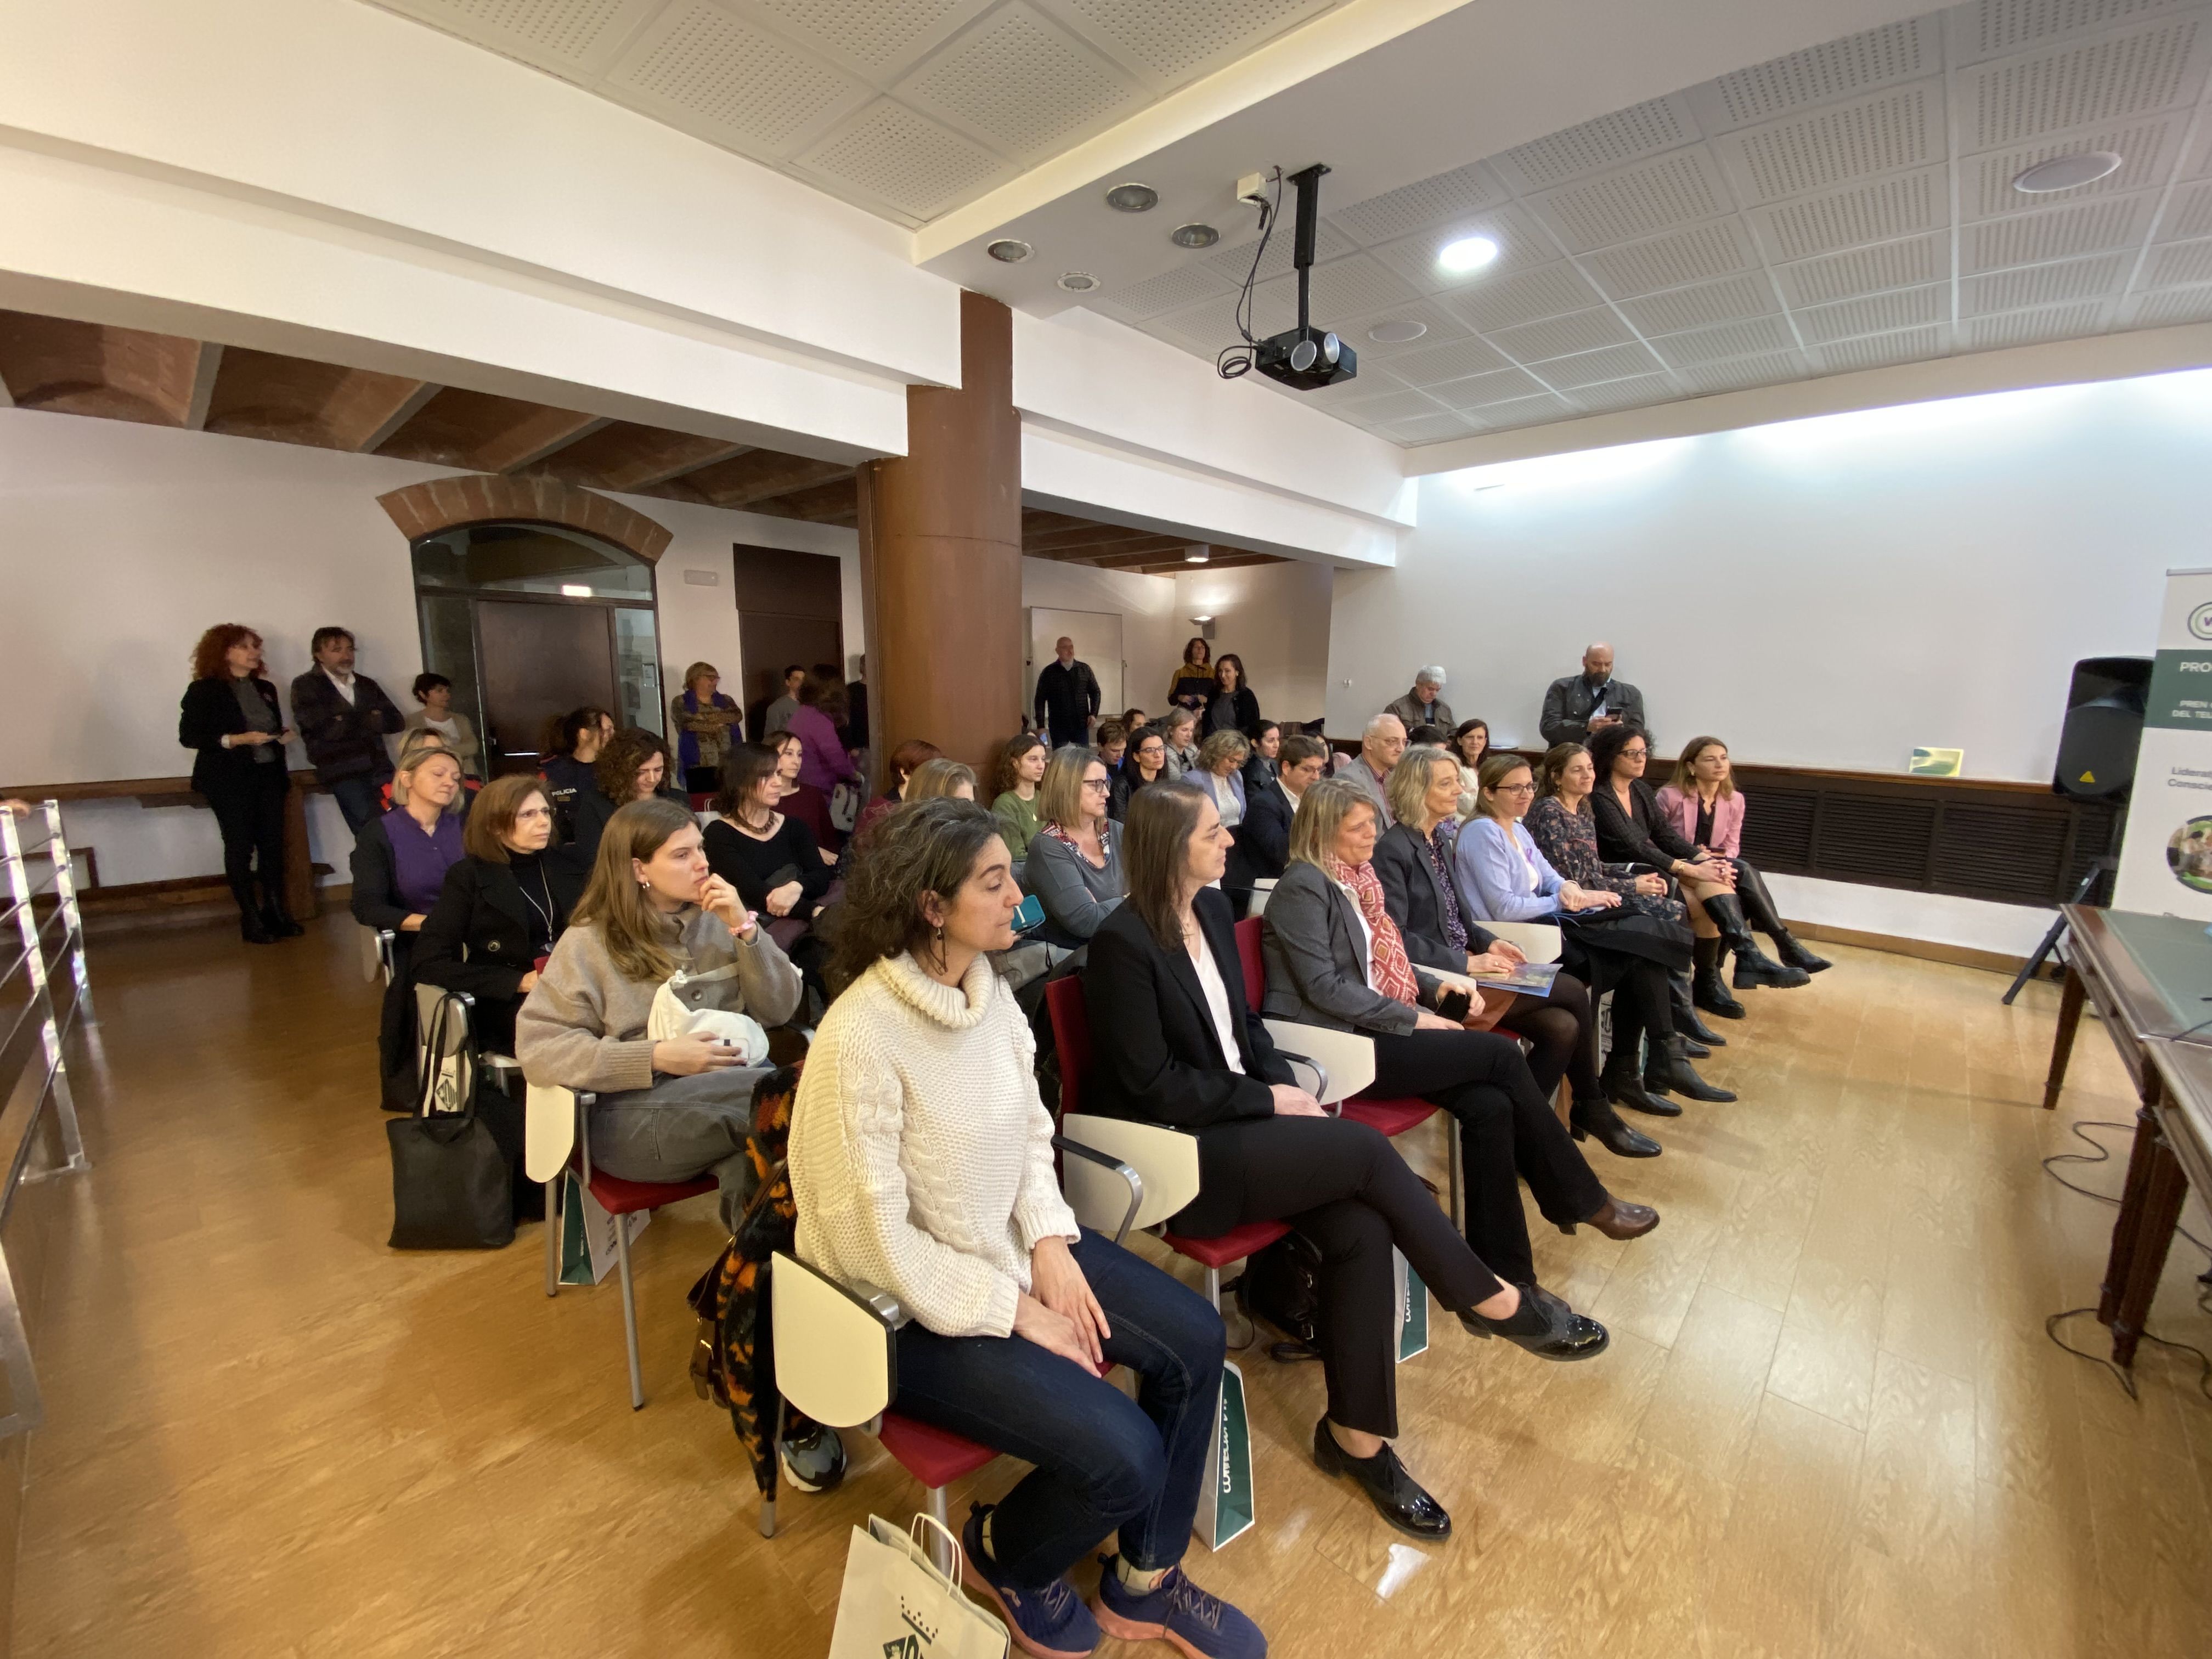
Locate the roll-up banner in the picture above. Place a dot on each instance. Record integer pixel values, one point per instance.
(2166, 860)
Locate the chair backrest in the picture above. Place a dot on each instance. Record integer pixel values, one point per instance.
(1250, 958)
(835, 1354)
(1071, 1036)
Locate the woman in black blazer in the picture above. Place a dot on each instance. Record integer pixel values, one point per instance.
(503, 907)
(230, 717)
(1177, 1044)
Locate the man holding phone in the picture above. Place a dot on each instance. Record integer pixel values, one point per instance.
(1582, 705)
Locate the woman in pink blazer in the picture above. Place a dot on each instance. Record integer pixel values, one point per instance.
(1703, 806)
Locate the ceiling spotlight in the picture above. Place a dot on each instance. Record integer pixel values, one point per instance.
(1468, 253)
(2067, 171)
(1079, 282)
(1193, 236)
(1009, 251)
(1133, 199)
(1397, 333)
(1198, 555)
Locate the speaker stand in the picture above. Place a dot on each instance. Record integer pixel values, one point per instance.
(2104, 865)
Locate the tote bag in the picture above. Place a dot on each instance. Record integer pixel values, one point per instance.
(898, 1604)
(672, 1017)
(452, 1184)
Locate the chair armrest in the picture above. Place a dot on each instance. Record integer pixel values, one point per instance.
(550, 1119)
(1319, 1089)
(836, 1357)
(1134, 1182)
(1348, 1056)
(1164, 1160)
(1538, 941)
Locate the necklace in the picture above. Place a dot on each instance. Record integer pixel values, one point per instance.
(546, 909)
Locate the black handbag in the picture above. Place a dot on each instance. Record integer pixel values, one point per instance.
(453, 1183)
(1281, 1284)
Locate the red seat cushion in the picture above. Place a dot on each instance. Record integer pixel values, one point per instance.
(620, 1197)
(934, 1456)
(1392, 1117)
(1252, 960)
(1232, 1246)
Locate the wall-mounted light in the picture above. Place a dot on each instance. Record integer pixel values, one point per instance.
(1200, 621)
(1197, 555)
(571, 591)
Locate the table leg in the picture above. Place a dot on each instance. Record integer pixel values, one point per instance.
(2062, 1041)
(2142, 1238)
(2127, 1227)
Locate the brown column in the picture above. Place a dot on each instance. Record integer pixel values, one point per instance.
(941, 558)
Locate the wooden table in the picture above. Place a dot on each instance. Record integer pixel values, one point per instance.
(2150, 978)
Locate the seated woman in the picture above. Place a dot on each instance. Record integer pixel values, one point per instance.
(942, 779)
(1334, 959)
(1177, 1045)
(680, 1107)
(769, 856)
(1220, 773)
(921, 1162)
(708, 723)
(800, 800)
(1631, 829)
(1179, 729)
(1021, 768)
(1266, 737)
(400, 864)
(1632, 945)
(1706, 809)
(1131, 720)
(1420, 890)
(1233, 707)
(436, 713)
(1145, 764)
(1470, 742)
(1270, 808)
(905, 760)
(503, 907)
(574, 744)
(634, 765)
(1074, 866)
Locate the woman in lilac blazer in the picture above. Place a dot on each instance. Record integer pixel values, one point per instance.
(1704, 806)
(822, 762)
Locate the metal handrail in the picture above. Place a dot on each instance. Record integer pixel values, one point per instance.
(52, 1021)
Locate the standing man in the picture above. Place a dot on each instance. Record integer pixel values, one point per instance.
(781, 711)
(1424, 704)
(1379, 746)
(1067, 697)
(343, 717)
(1583, 704)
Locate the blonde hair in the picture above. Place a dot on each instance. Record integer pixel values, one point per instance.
(1406, 788)
(1060, 796)
(1322, 812)
(419, 747)
(936, 780)
(615, 903)
(1223, 744)
(692, 674)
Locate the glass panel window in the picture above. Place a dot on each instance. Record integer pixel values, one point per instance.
(637, 670)
(531, 558)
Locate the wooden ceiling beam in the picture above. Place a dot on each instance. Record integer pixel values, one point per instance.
(261, 394)
(1094, 535)
(538, 434)
(1154, 546)
(825, 503)
(71, 367)
(626, 456)
(759, 475)
(378, 421)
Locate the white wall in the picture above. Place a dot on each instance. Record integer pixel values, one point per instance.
(1824, 593)
(1276, 618)
(1152, 627)
(120, 543)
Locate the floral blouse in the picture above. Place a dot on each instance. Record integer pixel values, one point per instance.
(1569, 840)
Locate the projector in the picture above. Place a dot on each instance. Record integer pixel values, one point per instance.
(1306, 359)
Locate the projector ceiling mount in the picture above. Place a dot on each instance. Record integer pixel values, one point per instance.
(1304, 358)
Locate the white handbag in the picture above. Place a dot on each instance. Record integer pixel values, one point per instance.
(898, 1603)
(672, 1017)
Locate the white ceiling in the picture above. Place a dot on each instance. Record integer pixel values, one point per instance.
(1841, 208)
(906, 107)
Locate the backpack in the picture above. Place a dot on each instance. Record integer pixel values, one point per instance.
(1282, 1285)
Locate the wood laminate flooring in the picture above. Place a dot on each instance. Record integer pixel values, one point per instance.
(1830, 1423)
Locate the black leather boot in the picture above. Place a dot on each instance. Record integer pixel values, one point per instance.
(1709, 991)
(276, 917)
(1753, 967)
(1686, 1023)
(1621, 1083)
(1595, 1119)
(1760, 911)
(1666, 1068)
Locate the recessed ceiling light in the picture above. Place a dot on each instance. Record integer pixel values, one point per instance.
(1198, 555)
(1468, 253)
(1193, 236)
(1397, 333)
(1133, 199)
(1008, 249)
(2067, 171)
(1079, 282)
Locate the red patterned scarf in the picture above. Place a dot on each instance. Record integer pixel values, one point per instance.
(1394, 973)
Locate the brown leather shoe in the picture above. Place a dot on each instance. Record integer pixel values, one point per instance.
(1617, 1220)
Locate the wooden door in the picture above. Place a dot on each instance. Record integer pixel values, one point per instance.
(538, 661)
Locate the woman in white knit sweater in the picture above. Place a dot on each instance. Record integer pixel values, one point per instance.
(922, 1161)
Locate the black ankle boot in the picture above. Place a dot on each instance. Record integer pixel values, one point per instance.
(1708, 991)
(1595, 1119)
(1693, 1049)
(278, 920)
(1623, 1087)
(1687, 1021)
(253, 929)
(1666, 1067)
(1753, 967)
(1759, 913)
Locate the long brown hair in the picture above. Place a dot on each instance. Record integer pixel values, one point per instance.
(1003, 776)
(1553, 766)
(747, 765)
(1154, 852)
(927, 848)
(1495, 770)
(616, 769)
(615, 902)
(209, 655)
(1687, 779)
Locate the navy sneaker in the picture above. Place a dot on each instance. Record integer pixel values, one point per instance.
(1049, 1621)
(1175, 1610)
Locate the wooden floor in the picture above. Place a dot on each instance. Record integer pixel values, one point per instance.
(1830, 1422)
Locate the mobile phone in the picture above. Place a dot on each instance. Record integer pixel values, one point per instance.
(1454, 1004)
(1028, 914)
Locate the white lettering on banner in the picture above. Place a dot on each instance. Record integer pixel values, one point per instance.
(2188, 667)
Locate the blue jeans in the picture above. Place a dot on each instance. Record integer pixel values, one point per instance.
(1103, 1461)
(357, 800)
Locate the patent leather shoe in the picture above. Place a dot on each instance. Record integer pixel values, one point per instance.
(1397, 1497)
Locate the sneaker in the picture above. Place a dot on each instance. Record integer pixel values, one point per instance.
(1049, 1621)
(813, 1462)
(1175, 1610)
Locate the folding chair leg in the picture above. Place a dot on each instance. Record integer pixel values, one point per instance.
(939, 1550)
(553, 1238)
(1213, 1287)
(629, 1313)
(767, 1498)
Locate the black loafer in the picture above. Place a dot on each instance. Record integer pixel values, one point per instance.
(1397, 1497)
(1545, 1327)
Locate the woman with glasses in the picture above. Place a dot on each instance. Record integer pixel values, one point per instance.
(1074, 866)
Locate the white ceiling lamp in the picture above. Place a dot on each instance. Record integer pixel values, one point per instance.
(1079, 282)
(2067, 171)
(1194, 235)
(1010, 250)
(1198, 555)
(1398, 332)
(1133, 199)
(1467, 254)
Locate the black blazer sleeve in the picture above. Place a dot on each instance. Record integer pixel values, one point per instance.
(1265, 834)
(1661, 832)
(450, 951)
(1620, 839)
(1142, 1030)
(375, 898)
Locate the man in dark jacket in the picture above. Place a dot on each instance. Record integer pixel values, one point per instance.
(342, 717)
(1067, 697)
(1582, 705)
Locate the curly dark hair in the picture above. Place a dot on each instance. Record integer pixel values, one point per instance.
(616, 769)
(925, 847)
(209, 655)
(1607, 742)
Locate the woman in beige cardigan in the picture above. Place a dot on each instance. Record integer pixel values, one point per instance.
(435, 692)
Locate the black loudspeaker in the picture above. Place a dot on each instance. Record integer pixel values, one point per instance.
(2104, 725)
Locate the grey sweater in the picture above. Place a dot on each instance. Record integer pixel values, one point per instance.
(1076, 894)
(584, 1026)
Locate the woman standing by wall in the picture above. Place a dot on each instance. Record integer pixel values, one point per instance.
(230, 718)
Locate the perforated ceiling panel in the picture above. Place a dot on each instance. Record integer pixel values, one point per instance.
(1857, 62)
(699, 59)
(2001, 25)
(902, 158)
(1174, 39)
(1896, 206)
(1591, 146)
(1700, 307)
(1636, 201)
(1581, 331)
(1021, 85)
(575, 34)
(1451, 195)
(2105, 79)
(879, 37)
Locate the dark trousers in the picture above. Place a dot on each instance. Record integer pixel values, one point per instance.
(1506, 1127)
(358, 799)
(1103, 1462)
(1642, 1006)
(1558, 1028)
(252, 818)
(1344, 1186)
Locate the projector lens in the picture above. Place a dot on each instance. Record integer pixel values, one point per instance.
(1468, 253)
(1331, 349)
(1302, 355)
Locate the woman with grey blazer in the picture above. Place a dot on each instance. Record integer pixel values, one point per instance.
(1335, 959)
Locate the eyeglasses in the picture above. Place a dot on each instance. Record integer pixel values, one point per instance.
(1515, 789)
(1095, 783)
(1634, 754)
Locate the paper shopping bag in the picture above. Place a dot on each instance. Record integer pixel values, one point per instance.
(897, 1603)
(1412, 1308)
(587, 1233)
(1225, 1506)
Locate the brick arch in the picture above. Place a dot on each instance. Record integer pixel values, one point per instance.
(441, 504)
